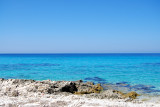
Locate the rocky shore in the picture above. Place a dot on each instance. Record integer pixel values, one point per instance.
(47, 93)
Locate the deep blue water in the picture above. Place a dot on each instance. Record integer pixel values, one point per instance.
(133, 69)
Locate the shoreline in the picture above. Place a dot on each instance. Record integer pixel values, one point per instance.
(32, 93)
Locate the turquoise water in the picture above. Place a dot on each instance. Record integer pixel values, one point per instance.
(133, 69)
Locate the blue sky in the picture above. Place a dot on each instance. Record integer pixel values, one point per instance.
(79, 26)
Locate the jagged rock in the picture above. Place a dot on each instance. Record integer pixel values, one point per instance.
(50, 91)
(42, 89)
(15, 93)
(78, 82)
(96, 88)
(130, 95)
(69, 88)
(17, 87)
(89, 88)
(8, 89)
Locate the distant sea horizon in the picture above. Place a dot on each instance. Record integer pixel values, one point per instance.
(90, 53)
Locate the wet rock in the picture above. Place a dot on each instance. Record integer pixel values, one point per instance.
(88, 89)
(83, 89)
(69, 88)
(130, 95)
(17, 87)
(96, 88)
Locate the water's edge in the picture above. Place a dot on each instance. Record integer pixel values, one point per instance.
(19, 87)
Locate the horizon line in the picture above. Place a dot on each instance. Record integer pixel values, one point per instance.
(86, 53)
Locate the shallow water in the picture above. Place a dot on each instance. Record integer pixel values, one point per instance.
(137, 71)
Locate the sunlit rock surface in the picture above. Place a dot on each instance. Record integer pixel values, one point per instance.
(31, 93)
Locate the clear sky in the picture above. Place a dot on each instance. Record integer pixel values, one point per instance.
(79, 26)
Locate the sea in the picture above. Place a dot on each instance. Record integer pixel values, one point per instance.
(137, 71)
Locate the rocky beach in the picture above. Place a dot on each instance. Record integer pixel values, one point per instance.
(47, 93)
